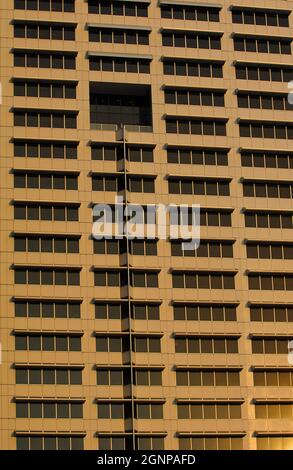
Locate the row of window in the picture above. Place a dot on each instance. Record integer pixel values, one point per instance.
(208, 377)
(118, 8)
(137, 247)
(126, 443)
(266, 281)
(196, 126)
(267, 159)
(120, 410)
(267, 189)
(207, 248)
(47, 276)
(50, 442)
(48, 409)
(45, 180)
(190, 39)
(274, 410)
(119, 36)
(263, 72)
(206, 344)
(273, 378)
(203, 280)
(45, 89)
(207, 442)
(118, 278)
(45, 149)
(269, 250)
(198, 156)
(266, 219)
(266, 130)
(201, 186)
(34, 30)
(43, 211)
(116, 376)
(47, 342)
(195, 97)
(260, 17)
(262, 44)
(119, 64)
(60, 119)
(48, 375)
(193, 68)
(110, 152)
(145, 184)
(190, 12)
(118, 310)
(271, 313)
(69, 212)
(44, 60)
(116, 343)
(204, 312)
(264, 101)
(46, 244)
(47, 308)
(209, 410)
(45, 5)
(269, 345)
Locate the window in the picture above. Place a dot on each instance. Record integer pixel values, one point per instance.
(269, 189)
(48, 375)
(204, 312)
(141, 184)
(144, 279)
(208, 377)
(110, 152)
(119, 64)
(146, 344)
(193, 68)
(143, 247)
(150, 377)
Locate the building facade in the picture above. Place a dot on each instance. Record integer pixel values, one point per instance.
(118, 344)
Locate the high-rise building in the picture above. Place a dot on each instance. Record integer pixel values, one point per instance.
(139, 344)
